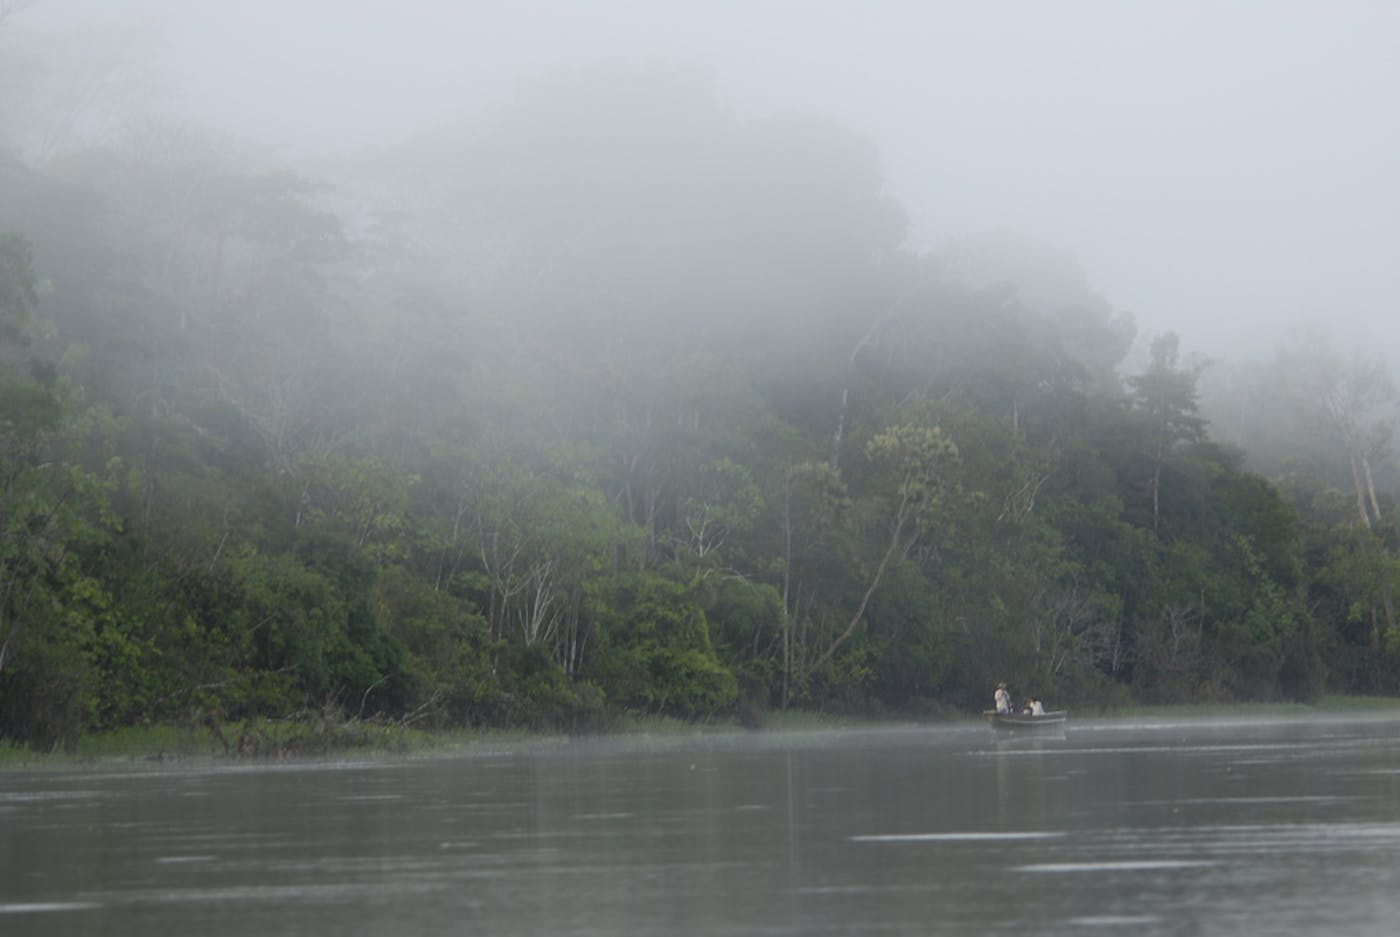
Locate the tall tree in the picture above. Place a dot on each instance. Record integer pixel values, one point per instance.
(917, 461)
(1165, 397)
(50, 510)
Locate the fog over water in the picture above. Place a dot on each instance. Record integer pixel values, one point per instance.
(1223, 169)
(1278, 827)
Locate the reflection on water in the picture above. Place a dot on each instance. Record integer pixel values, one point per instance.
(950, 837)
(1130, 865)
(1281, 827)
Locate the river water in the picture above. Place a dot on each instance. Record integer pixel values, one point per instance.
(1220, 827)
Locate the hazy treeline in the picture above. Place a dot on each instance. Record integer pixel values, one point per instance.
(616, 400)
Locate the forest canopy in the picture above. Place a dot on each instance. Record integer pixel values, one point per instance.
(613, 400)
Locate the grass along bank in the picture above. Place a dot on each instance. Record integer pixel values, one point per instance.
(1326, 705)
(260, 740)
(313, 736)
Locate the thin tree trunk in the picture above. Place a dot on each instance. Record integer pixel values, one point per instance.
(866, 340)
(896, 543)
(1357, 487)
(1370, 488)
(787, 587)
(1156, 489)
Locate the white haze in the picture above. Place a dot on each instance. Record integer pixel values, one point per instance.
(1224, 169)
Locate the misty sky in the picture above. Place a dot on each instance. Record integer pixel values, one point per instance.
(1217, 167)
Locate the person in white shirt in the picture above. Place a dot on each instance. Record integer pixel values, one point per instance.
(1003, 699)
(1036, 708)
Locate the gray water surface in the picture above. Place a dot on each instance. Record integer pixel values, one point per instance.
(1276, 827)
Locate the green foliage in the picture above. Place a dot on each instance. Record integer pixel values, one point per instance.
(910, 646)
(576, 434)
(454, 660)
(656, 654)
(919, 458)
(310, 615)
(19, 293)
(52, 512)
(745, 617)
(1357, 576)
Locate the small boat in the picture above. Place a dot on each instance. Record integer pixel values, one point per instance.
(1055, 718)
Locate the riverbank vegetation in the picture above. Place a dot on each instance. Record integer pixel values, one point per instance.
(306, 738)
(617, 403)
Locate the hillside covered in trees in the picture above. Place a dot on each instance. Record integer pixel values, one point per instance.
(616, 401)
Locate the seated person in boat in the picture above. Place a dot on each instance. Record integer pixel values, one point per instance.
(1035, 708)
(1002, 698)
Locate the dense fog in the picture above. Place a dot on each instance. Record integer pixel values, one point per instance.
(1222, 169)
(371, 365)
